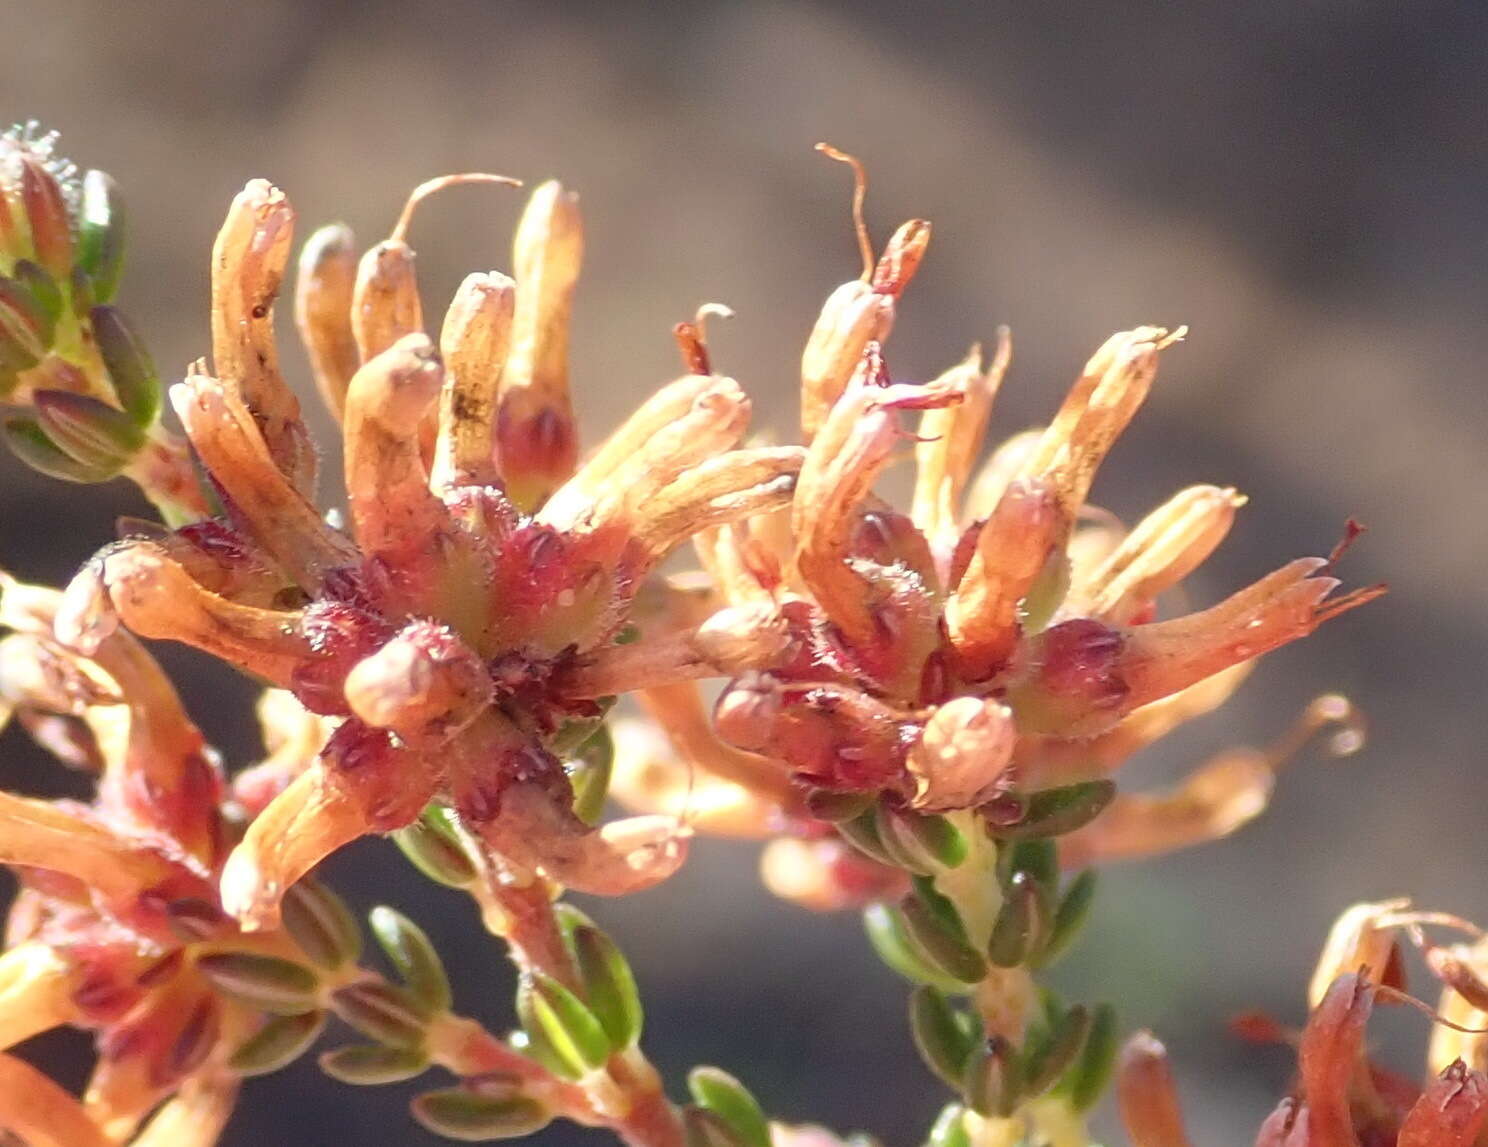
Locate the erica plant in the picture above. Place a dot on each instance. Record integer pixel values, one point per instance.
(919, 711)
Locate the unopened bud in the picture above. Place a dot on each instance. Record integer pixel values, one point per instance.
(1146, 1095)
(962, 756)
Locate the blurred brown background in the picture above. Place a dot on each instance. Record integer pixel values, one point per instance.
(1301, 182)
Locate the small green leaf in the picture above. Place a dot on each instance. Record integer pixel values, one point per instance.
(940, 944)
(1046, 1061)
(949, 1129)
(704, 1128)
(609, 986)
(1069, 917)
(409, 949)
(993, 1080)
(131, 370)
(321, 924)
(470, 1118)
(1020, 923)
(88, 430)
(889, 936)
(280, 1042)
(388, 1014)
(940, 1038)
(565, 1021)
(590, 772)
(434, 848)
(100, 233)
(1092, 1071)
(280, 987)
(373, 1064)
(1054, 812)
(730, 1100)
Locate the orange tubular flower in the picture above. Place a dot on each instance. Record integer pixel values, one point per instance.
(118, 928)
(463, 630)
(1340, 1098)
(950, 660)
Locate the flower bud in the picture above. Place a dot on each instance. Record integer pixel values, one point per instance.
(1452, 1111)
(1146, 1095)
(425, 684)
(961, 758)
(1361, 938)
(536, 436)
(1164, 548)
(475, 342)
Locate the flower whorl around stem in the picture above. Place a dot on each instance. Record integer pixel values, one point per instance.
(467, 629)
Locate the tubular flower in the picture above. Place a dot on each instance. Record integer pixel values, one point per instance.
(118, 928)
(85, 397)
(1340, 1098)
(466, 632)
(998, 642)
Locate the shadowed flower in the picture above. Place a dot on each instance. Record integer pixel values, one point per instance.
(1341, 1098)
(468, 629)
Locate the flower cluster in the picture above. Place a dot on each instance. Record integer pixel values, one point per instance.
(920, 711)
